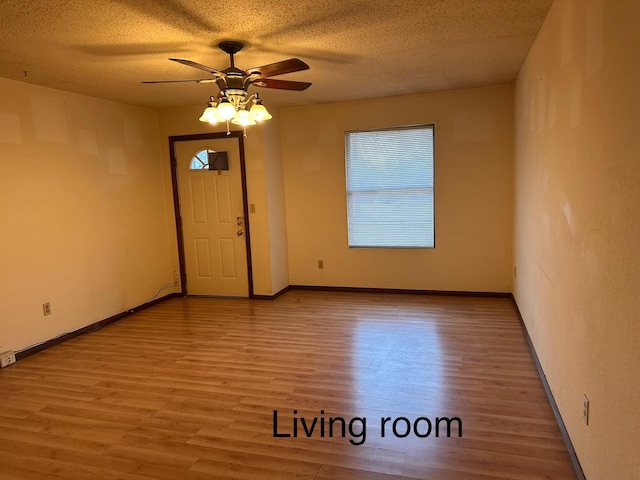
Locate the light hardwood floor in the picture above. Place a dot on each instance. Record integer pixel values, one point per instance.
(187, 389)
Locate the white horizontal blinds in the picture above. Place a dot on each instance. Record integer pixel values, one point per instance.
(390, 187)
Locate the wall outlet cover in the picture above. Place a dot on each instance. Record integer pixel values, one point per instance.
(7, 358)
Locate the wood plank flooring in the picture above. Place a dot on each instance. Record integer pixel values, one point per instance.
(187, 390)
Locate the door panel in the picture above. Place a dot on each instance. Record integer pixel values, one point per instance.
(197, 190)
(227, 259)
(203, 258)
(211, 201)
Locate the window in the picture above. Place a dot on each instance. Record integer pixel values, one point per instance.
(390, 193)
(209, 160)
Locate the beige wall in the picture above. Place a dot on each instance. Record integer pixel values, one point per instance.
(473, 171)
(274, 175)
(577, 232)
(264, 190)
(82, 217)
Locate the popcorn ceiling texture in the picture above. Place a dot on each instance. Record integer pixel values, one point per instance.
(356, 49)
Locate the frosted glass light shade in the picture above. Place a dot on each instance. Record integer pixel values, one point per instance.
(226, 110)
(211, 115)
(243, 118)
(260, 112)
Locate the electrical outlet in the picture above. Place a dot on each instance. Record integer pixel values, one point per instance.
(46, 309)
(7, 358)
(320, 264)
(585, 409)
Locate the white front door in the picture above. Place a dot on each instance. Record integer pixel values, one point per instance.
(212, 212)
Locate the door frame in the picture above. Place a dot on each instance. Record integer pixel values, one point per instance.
(173, 139)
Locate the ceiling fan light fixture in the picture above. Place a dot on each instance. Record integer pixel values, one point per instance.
(258, 111)
(225, 109)
(233, 103)
(211, 114)
(244, 118)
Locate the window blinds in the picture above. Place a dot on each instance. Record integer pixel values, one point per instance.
(390, 191)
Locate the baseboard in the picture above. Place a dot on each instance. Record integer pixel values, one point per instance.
(402, 291)
(90, 328)
(554, 406)
(272, 297)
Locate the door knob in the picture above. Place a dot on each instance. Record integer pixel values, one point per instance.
(240, 233)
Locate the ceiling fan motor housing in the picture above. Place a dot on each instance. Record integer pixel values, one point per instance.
(231, 47)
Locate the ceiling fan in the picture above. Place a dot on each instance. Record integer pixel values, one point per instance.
(233, 103)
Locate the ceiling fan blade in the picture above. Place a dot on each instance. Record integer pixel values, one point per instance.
(201, 80)
(189, 63)
(281, 84)
(279, 68)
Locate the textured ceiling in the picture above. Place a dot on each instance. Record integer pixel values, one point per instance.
(355, 48)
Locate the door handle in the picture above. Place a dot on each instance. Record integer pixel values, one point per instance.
(240, 233)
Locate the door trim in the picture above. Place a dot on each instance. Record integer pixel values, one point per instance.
(176, 199)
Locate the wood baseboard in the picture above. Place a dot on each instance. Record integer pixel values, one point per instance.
(271, 297)
(90, 328)
(554, 406)
(402, 291)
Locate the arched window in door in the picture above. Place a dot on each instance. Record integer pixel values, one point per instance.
(209, 160)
